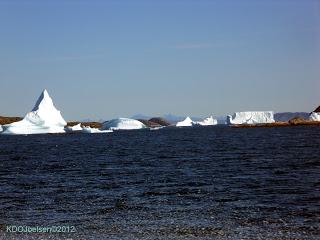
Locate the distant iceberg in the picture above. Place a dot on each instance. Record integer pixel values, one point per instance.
(122, 124)
(94, 130)
(210, 121)
(314, 116)
(251, 117)
(74, 128)
(185, 123)
(44, 118)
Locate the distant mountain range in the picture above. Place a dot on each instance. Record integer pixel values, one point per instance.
(169, 117)
(286, 116)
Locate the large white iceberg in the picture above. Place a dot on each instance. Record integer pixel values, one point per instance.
(1, 128)
(94, 130)
(251, 117)
(210, 121)
(122, 124)
(74, 128)
(314, 116)
(185, 123)
(44, 118)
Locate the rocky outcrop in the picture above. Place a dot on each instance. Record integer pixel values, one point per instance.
(149, 123)
(296, 121)
(160, 121)
(8, 120)
(85, 124)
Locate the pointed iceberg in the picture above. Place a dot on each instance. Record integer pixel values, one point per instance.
(44, 118)
(210, 121)
(185, 123)
(250, 118)
(122, 124)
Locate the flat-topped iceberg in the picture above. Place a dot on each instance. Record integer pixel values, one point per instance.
(251, 117)
(185, 123)
(44, 118)
(74, 128)
(122, 124)
(314, 116)
(94, 130)
(210, 121)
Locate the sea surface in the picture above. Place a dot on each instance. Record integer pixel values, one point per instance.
(190, 183)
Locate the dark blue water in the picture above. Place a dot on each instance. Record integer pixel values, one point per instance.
(192, 183)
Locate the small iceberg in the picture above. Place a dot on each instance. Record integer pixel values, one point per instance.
(314, 116)
(258, 117)
(94, 130)
(44, 118)
(74, 128)
(156, 128)
(1, 129)
(122, 124)
(210, 121)
(185, 123)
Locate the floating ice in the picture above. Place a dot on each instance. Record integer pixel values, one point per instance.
(1, 128)
(122, 124)
(157, 128)
(94, 130)
(74, 128)
(314, 116)
(210, 121)
(251, 117)
(44, 118)
(185, 123)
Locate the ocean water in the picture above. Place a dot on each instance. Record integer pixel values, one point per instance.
(191, 183)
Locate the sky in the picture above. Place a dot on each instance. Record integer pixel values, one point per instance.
(108, 59)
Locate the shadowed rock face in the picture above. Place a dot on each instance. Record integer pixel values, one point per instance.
(8, 120)
(149, 123)
(160, 121)
(317, 110)
(86, 124)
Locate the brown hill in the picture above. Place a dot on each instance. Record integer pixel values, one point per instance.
(160, 121)
(8, 120)
(297, 121)
(149, 123)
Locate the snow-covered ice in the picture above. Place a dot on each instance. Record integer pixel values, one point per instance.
(157, 128)
(122, 124)
(251, 117)
(94, 130)
(44, 118)
(185, 123)
(210, 121)
(0, 128)
(74, 128)
(314, 116)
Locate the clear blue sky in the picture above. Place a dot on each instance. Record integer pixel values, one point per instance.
(105, 59)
